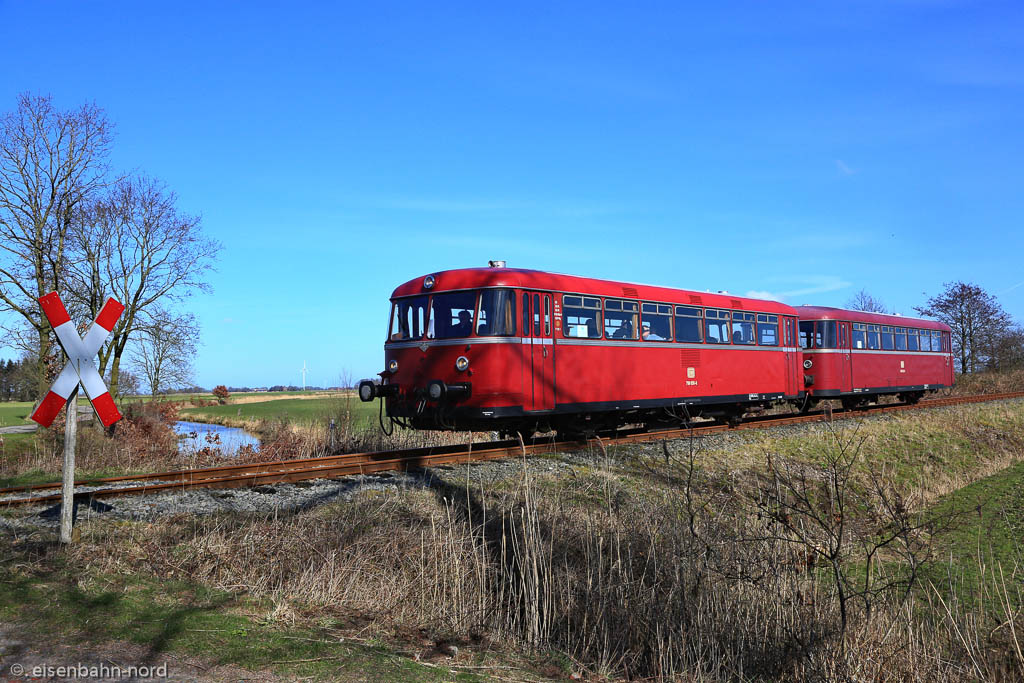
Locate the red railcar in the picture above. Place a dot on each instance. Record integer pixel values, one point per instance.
(857, 356)
(507, 349)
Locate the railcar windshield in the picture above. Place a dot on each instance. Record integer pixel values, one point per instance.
(497, 313)
(806, 333)
(408, 318)
(451, 315)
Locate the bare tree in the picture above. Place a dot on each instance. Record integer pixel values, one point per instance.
(976, 318)
(1007, 351)
(51, 161)
(136, 242)
(862, 301)
(165, 350)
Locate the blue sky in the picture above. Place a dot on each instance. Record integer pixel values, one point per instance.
(798, 150)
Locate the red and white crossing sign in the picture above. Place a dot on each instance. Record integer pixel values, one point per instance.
(80, 366)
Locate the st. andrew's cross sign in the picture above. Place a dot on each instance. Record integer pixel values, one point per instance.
(80, 366)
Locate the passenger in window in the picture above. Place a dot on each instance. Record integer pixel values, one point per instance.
(625, 331)
(592, 331)
(464, 326)
(737, 337)
(650, 336)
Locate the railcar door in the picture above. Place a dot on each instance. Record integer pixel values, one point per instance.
(541, 353)
(844, 369)
(793, 357)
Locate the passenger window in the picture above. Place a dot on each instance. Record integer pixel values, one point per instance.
(742, 327)
(936, 340)
(887, 338)
(899, 335)
(806, 333)
(407, 318)
(926, 340)
(912, 344)
(767, 329)
(656, 322)
(859, 337)
(873, 337)
(716, 326)
(582, 317)
(688, 324)
(497, 317)
(620, 319)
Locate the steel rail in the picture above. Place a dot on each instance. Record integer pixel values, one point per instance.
(288, 471)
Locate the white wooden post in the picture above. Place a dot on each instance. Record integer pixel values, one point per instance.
(67, 506)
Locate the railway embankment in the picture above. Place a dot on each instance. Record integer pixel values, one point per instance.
(882, 546)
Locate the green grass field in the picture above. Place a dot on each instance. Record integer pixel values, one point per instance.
(305, 410)
(988, 527)
(15, 413)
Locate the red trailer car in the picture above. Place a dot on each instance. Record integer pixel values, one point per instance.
(857, 356)
(507, 349)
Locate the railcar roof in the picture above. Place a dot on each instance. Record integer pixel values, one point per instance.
(474, 278)
(829, 313)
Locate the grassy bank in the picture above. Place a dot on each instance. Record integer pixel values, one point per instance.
(834, 553)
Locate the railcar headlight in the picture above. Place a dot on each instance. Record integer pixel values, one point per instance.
(808, 363)
(428, 282)
(366, 391)
(435, 390)
(461, 363)
(392, 365)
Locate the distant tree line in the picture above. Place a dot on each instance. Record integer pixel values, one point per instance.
(72, 224)
(984, 337)
(17, 381)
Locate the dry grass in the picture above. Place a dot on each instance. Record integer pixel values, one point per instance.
(649, 568)
(989, 383)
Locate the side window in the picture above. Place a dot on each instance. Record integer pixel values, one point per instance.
(716, 326)
(912, 344)
(899, 335)
(936, 340)
(742, 327)
(536, 315)
(547, 315)
(620, 319)
(526, 314)
(656, 322)
(887, 338)
(688, 324)
(874, 340)
(859, 337)
(806, 333)
(926, 340)
(767, 329)
(581, 317)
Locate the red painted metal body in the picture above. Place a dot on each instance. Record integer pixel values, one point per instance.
(545, 373)
(861, 354)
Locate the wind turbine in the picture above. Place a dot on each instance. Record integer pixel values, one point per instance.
(303, 375)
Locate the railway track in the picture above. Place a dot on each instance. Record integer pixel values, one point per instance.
(284, 471)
